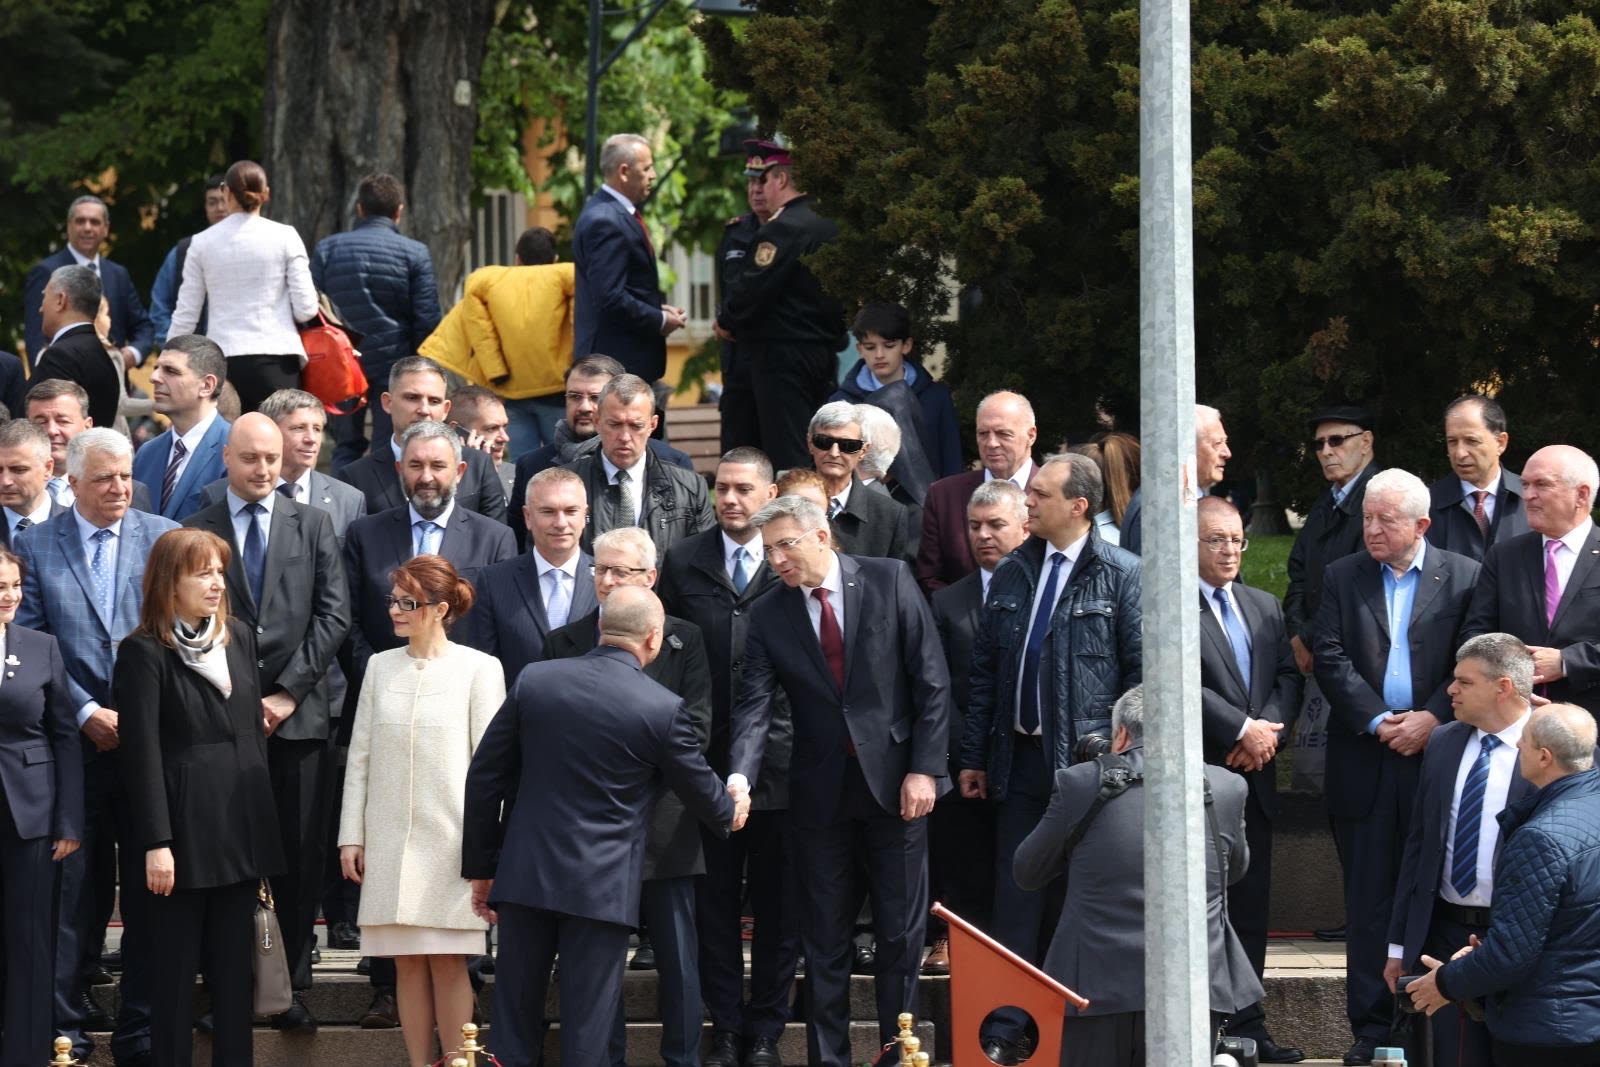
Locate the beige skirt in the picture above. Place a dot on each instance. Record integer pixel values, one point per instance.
(396, 940)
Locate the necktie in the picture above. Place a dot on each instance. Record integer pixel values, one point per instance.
(290, 490)
(1552, 580)
(427, 537)
(1029, 713)
(94, 265)
(54, 487)
(100, 571)
(556, 601)
(624, 513)
(638, 216)
(1236, 636)
(255, 550)
(170, 479)
(1479, 514)
(1469, 816)
(834, 507)
(741, 573)
(22, 524)
(831, 637)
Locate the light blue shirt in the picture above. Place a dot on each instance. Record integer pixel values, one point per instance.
(1399, 594)
(86, 532)
(1340, 492)
(241, 518)
(442, 521)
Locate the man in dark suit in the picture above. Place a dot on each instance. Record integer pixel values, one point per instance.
(523, 599)
(1006, 435)
(1446, 884)
(557, 766)
(61, 409)
(1544, 586)
(712, 580)
(88, 226)
(1249, 695)
(24, 466)
(83, 580)
(1098, 948)
(626, 484)
(672, 857)
(1342, 444)
(1480, 502)
(180, 463)
(961, 831)
(618, 299)
(73, 350)
(286, 580)
(866, 521)
(871, 710)
(417, 392)
(1386, 634)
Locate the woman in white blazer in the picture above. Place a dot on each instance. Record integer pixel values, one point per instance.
(423, 709)
(253, 279)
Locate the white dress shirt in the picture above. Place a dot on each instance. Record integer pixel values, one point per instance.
(985, 576)
(302, 485)
(241, 520)
(1574, 539)
(93, 263)
(635, 487)
(1469, 497)
(60, 490)
(1020, 478)
(1072, 552)
(38, 515)
(191, 441)
(842, 497)
(731, 548)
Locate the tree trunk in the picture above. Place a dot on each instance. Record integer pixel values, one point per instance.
(1267, 518)
(360, 86)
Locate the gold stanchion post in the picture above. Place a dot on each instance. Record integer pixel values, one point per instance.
(906, 1021)
(63, 1054)
(467, 1054)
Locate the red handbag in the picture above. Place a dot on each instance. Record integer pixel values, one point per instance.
(333, 371)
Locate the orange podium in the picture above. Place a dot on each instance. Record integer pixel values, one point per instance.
(985, 975)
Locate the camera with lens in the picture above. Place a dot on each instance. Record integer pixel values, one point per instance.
(1235, 1052)
(1090, 746)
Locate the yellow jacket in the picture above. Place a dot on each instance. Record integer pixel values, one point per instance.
(511, 332)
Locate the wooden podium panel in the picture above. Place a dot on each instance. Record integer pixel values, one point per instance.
(985, 975)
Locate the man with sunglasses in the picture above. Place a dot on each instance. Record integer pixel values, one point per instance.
(789, 330)
(1341, 443)
(866, 520)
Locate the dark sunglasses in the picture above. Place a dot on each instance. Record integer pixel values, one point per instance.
(822, 442)
(1333, 440)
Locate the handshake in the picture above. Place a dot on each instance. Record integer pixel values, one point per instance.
(739, 790)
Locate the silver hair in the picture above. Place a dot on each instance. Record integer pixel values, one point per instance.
(1405, 487)
(1000, 493)
(551, 476)
(95, 439)
(20, 433)
(1009, 397)
(631, 538)
(837, 413)
(1568, 731)
(410, 365)
(1128, 713)
(82, 286)
(883, 436)
(285, 402)
(1502, 656)
(89, 199)
(618, 149)
(804, 512)
(1205, 415)
(1578, 468)
(429, 429)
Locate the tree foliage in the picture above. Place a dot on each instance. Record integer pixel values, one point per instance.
(1393, 203)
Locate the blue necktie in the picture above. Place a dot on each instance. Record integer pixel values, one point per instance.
(427, 537)
(557, 604)
(255, 550)
(741, 575)
(1030, 657)
(1236, 636)
(100, 571)
(1469, 816)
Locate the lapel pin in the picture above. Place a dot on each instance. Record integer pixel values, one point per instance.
(13, 661)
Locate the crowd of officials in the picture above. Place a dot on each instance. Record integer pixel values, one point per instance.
(515, 662)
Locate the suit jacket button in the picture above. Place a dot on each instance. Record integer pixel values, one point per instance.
(737, 611)
(261, 664)
(261, 629)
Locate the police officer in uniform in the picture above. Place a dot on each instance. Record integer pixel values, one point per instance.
(738, 406)
(789, 331)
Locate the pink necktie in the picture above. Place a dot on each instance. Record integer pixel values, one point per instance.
(1552, 581)
(1479, 514)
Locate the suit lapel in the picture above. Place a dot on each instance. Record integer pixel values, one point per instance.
(201, 461)
(708, 561)
(1581, 571)
(235, 576)
(283, 535)
(526, 579)
(1429, 583)
(71, 548)
(854, 585)
(135, 545)
(583, 599)
(1369, 580)
(400, 535)
(1221, 647)
(794, 606)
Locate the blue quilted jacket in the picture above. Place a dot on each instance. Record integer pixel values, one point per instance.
(1539, 964)
(382, 284)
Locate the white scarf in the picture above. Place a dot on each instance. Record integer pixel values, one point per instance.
(205, 652)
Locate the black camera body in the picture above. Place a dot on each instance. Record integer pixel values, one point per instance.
(1402, 994)
(1235, 1052)
(1090, 746)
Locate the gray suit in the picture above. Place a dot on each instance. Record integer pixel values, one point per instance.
(1098, 948)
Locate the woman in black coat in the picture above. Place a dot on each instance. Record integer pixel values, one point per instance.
(194, 762)
(41, 818)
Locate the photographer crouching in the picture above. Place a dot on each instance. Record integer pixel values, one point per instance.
(1538, 965)
(1093, 833)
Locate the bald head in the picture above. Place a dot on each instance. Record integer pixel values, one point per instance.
(633, 619)
(1006, 432)
(253, 456)
(1559, 486)
(1558, 740)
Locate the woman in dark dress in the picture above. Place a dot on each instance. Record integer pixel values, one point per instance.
(41, 818)
(194, 761)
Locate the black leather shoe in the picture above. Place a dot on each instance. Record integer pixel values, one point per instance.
(344, 935)
(763, 1052)
(724, 1050)
(1332, 933)
(381, 1013)
(297, 1020)
(95, 1018)
(364, 965)
(999, 1050)
(644, 957)
(99, 976)
(866, 961)
(111, 960)
(1361, 1052)
(1269, 1051)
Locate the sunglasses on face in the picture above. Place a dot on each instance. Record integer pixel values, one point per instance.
(1333, 440)
(822, 442)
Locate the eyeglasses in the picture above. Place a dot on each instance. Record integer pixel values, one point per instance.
(822, 442)
(1333, 440)
(406, 603)
(601, 570)
(1217, 544)
(578, 398)
(787, 545)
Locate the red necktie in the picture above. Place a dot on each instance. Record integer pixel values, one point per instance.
(831, 637)
(1479, 513)
(638, 216)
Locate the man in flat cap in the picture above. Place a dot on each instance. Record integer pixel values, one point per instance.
(788, 329)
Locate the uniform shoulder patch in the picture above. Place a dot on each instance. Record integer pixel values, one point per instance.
(766, 252)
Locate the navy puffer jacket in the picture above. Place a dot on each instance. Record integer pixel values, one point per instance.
(382, 284)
